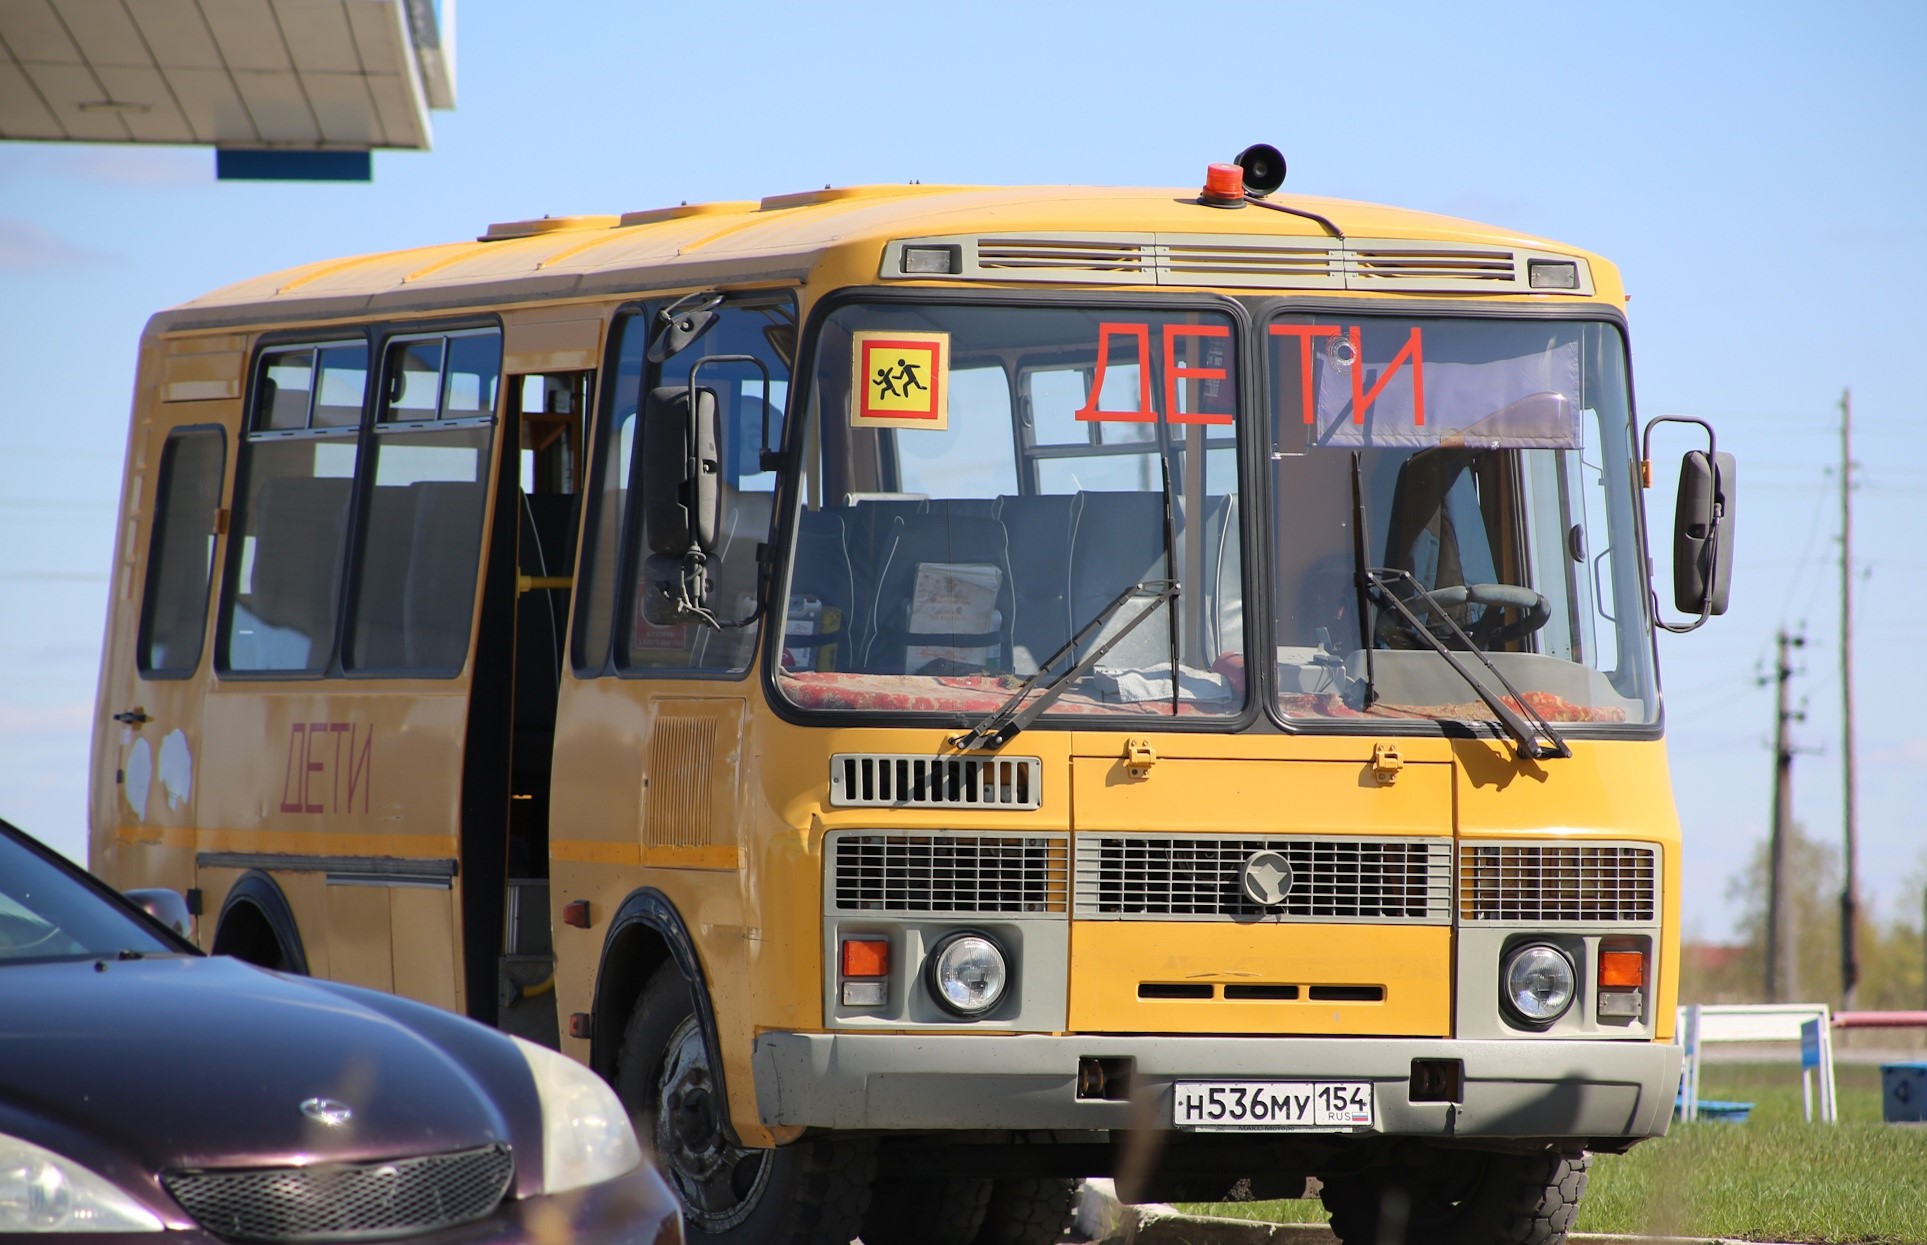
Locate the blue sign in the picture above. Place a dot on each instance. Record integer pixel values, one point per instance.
(293, 166)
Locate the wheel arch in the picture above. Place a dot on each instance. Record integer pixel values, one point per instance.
(256, 910)
(647, 932)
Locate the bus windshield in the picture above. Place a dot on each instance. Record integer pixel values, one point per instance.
(1495, 473)
(982, 481)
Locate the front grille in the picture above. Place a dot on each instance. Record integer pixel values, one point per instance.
(1173, 876)
(899, 780)
(344, 1201)
(954, 873)
(1548, 882)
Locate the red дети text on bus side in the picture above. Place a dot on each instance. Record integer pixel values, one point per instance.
(330, 765)
(1413, 352)
(1174, 371)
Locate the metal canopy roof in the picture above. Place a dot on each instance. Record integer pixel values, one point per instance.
(292, 75)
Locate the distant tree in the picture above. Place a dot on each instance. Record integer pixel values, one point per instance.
(1891, 954)
(1893, 962)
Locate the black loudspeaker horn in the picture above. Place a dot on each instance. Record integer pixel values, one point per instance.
(1264, 167)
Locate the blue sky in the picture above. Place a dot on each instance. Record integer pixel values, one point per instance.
(1757, 171)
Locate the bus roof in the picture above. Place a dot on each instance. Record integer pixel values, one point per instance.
(1065, 235)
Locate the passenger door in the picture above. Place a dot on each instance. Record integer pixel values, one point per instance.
(333, 771)
(154, 673)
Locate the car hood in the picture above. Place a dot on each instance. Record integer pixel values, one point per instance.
(187, 1061)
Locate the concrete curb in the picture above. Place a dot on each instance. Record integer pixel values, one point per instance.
(1160, 1225)
(1103, 1220)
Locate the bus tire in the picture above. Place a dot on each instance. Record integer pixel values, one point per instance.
(1462, 1198)
(256, 925)
(1028, 1210)
(806, 1193)
(926, 1210)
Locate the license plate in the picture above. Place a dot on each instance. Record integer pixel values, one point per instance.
(1278, 1106)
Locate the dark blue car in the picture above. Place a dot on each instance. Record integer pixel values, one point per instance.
(147, 1088)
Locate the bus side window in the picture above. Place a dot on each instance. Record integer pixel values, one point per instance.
(291, 514)
(744, 402)
(180, 552)
(605, 502)
(415, 577)
(748, 491)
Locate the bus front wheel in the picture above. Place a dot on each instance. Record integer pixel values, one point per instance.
(1464, 1197)
(1029, 1210)
(807, 1193)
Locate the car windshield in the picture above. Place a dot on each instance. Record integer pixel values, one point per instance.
(1495, 470)
(982, 481)
(48, 914)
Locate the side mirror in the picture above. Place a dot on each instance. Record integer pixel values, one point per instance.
(165, 906)
(682, 465)
(1703, 533)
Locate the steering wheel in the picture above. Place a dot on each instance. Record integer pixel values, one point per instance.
(1527, 609)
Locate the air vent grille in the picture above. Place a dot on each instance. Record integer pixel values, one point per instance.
(960, 873)
(1410, 267)
(1242, 261)
(1120, 258)
(1200, 877)
(901, 780)
(1544, 883)
(1232, 263)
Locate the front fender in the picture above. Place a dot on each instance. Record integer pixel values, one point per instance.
(647, 932)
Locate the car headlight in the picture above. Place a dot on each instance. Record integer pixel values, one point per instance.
(1538, 983)
(968, 974)
(41, 1191)
(586, 1136)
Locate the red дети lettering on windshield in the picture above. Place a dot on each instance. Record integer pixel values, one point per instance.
(1145, 412)
(1412, 352)
(1173, 370)
(1305, 333)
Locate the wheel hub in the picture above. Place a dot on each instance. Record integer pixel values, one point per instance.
(719, 1182)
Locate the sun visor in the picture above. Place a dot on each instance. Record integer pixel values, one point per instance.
(1394, 384)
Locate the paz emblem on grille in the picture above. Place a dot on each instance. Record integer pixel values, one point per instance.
(1267, 878)
(327, 1111)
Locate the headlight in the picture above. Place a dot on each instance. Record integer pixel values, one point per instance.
(968, 974)
(586, 1137)
(40, 1191)
(1538, 983)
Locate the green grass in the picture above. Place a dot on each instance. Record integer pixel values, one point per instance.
(1774, 1178)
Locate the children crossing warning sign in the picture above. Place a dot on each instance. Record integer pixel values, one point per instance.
(902, 380)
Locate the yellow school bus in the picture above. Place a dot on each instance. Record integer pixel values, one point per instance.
(939, 691)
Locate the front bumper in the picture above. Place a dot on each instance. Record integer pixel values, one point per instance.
(1512, 1088)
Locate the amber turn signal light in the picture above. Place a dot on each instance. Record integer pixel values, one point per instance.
(1624, 970)
(866, 957)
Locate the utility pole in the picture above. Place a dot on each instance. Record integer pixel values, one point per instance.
(1781, 975)
(1850, 882)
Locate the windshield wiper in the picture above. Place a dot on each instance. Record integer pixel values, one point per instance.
(1538, 744)
(1538, 740)
(1017, 713)
(1361, 580)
